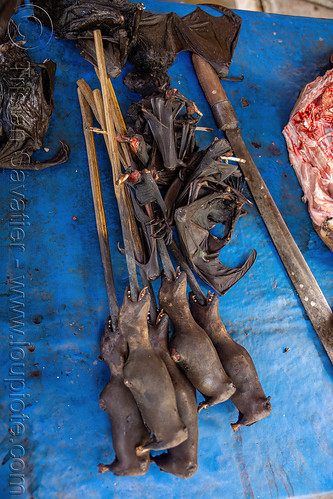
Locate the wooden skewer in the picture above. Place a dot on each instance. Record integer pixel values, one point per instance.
(116, 117)
(116, 168)
(102, 231)
(97, 130)
(120, 122)
(232, 158)
(94, 98)
(95, 101)
(98, 99)
(88, 95)
(120, 127)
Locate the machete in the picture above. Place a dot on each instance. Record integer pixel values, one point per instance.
(306, 286)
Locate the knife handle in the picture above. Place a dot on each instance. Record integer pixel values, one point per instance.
(217, 98)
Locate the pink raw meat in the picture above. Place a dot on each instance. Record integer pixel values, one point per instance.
(309, 135)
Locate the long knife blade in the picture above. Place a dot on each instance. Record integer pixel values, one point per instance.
(306, 286)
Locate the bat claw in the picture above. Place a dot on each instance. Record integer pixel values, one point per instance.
(201, 406)
(140, 450)
(102, 468)
(122, 179)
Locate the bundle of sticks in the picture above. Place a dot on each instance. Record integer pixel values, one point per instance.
(151, 395)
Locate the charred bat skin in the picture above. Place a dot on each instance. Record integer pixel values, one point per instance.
(208, 198)
(147, 84)
(202, 248)
(147, 377)
(181, 460)
(161, 122)
(128, 429)
(249, 398)
(149, 41)
(191, 347)
(26, 107)
(166, 126)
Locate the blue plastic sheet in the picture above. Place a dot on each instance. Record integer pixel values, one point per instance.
(59, 281)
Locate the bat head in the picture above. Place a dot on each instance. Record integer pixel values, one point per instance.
(172, 293)
(114, 348)
(134, 312)
(158, 333)
(203, 314)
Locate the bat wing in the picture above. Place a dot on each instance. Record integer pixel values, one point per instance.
(34, 100)
(202, 249)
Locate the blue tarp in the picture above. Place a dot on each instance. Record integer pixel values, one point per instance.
(59, 282)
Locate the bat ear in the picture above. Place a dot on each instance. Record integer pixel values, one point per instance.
(162, 319)
(214, 301)
(144, 294)
(192, 297)
(181, 276)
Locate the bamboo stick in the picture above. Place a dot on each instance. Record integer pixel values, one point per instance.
(120, 122)
(95, 99)
(116, 168)
(102, 231)
(88, 95)
(98, 100)
(138, 250)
